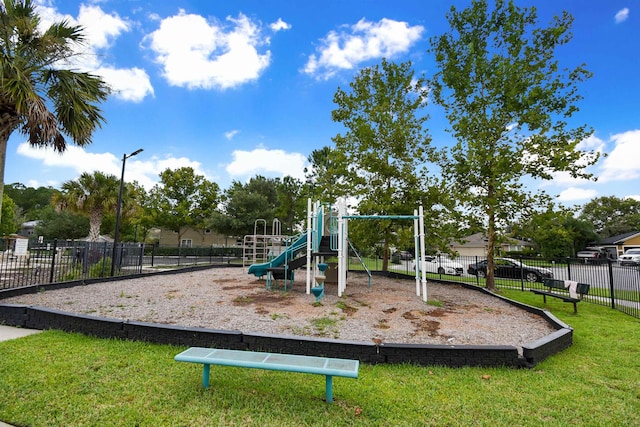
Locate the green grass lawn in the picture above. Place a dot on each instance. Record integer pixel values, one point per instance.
(61, 379)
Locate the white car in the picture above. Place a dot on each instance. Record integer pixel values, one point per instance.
(442, 265)
(631, 257)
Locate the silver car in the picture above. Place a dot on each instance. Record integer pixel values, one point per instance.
(631, 257)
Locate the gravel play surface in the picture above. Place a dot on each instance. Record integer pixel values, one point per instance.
(229, 299)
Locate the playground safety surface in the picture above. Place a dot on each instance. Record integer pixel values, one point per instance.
(228, 298)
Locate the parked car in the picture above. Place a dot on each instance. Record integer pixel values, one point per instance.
(630, 257)
(442, 265)
(511, 269)
(402, 255)
(593, 255)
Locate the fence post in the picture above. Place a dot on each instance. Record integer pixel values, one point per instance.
(477, 276)
(611, 288)
(53, 260)
(141, 257)
(569, 268)
(521, 274)
(105, 254)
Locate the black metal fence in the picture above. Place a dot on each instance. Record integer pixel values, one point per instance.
(155, 256)
(63, 260)
(611, 284)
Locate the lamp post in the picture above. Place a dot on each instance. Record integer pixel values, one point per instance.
(115, 234)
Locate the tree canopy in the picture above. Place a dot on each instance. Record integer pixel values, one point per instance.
(386, 144)
(509, 104)
(182, 199)
(611, 215)
(40, 95)
(556, 233)
(62, 224)
(261, 198)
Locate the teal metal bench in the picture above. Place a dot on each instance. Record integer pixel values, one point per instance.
(329, 367)
(557, 289)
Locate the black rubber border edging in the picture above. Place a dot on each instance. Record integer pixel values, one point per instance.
(420, 354)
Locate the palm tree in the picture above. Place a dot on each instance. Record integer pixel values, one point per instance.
(91, 195)
(38, 96)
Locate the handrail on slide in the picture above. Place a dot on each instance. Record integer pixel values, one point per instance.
(361, 261)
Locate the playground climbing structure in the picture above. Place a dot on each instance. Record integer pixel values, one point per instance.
(327, 239)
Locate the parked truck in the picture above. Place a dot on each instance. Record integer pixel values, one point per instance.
(593, 255)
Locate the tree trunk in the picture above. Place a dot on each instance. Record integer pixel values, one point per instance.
(95, 221)
(4, 138)
(385, 256)
(491, 232)
(8, 123)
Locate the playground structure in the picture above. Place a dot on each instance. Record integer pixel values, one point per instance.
(260, 247)
(326, 239)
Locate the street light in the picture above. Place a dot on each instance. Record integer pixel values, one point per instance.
(115, 235)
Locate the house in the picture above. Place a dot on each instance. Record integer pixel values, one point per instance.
(193, 237)
(478, 245)
(618, 245)
(28, 229)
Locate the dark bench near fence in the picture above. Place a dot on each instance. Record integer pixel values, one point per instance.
(329, 367)
(559, 289)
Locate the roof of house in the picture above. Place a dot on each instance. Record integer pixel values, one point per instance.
(619, 239)
(31, 224)
(480, 240)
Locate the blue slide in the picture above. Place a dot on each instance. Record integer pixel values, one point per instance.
(260, 270)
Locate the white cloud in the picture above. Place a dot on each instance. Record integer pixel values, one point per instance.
(229, 135)
(622, 15)
(622, 163)
(145, 171)
(280, 25)
(573, 193)
(131, 84)
(267, 162)
(361, 42)
(101, 31)
(197, 54)
(101, 28)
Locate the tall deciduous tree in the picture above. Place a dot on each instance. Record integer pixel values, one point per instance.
(556, 233)
(508, 102)
(92, 195)
(38, 95)
(325, 177)
(61, 224)
(611, 215)
(291, 206)
(260, 198)
(182, 199)
(8, 224)
(29, 200)
(385, 143)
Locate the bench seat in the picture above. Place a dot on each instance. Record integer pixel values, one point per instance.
(556, 289)
(329, 367)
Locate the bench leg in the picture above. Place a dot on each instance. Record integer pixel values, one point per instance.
(329, 389)
(205, 375)
(575, 308)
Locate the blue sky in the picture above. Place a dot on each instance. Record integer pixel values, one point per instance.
(240, 88)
